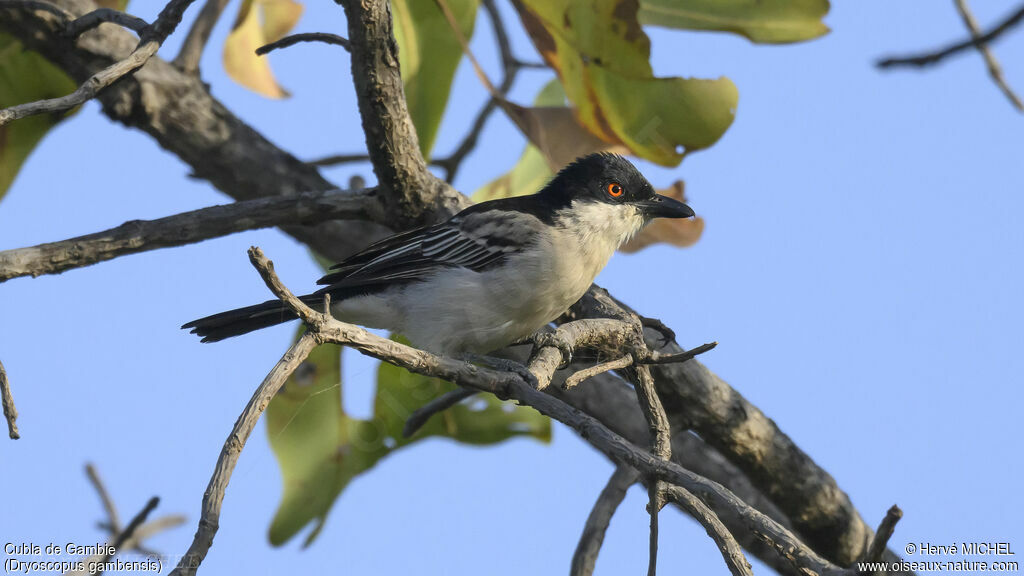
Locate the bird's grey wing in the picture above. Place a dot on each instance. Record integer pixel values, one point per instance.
(473, 240)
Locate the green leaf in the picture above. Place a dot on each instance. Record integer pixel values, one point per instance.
(428, 54)
(601, 55)
(25, 76)
(320, 449)
(763, 21)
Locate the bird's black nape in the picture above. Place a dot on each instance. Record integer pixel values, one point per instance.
(588, 176)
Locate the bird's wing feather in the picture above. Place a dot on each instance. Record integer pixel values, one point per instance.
(472, 240)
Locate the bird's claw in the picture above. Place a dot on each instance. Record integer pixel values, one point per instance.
(542, 339)
(503, 364)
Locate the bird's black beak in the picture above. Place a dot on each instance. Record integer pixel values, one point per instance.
(664, 207)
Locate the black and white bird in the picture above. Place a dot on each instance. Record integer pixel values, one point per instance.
(489, 276)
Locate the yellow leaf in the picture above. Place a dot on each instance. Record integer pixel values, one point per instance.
(258, 22)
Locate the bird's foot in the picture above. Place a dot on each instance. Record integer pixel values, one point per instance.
(503, 364)
(542, 339)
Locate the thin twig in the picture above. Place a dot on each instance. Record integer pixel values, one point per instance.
(510, 68)
(150, 39)
(336, 159)
(186, 228)
(731, 551)
(113, 523)
(574, 379)
(10, 411)
(129, 530)
(994, 69)
(585, 557)
(100, 15)
(192, 48)
(937, 56)
(213, 498)
(287, 41)
(657, 358)
(883, 534)
(661, 448)
(422, 414)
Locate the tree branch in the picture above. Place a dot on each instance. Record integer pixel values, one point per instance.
(150, 39)
(192, 48)
(883, 534)
(422, 414)
(510, 68)
(589, 546)
(186, 228)
(414, 196)
(994, 69)
(177, 110)
(730, 549)
(213, 498)
(929, 58)
(101, 15)
(10, 411)
(321, 328)
(304, 37)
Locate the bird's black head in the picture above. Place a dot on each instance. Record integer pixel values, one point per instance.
(611, 179)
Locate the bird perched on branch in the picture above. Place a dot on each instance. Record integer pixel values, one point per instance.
(489, 276)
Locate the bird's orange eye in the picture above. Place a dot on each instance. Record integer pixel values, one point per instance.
(615, 190)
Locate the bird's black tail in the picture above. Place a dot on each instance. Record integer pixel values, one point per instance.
(244, 320)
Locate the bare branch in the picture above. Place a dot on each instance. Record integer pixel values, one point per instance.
(192, 48)
(133, 525)
(101, 15)
(883, 534)
(435, 406)
(186, 228)
(213, 498)
(929, 58)
(574, 380)
(731, 551)
(339, 159)
(658, 358)
(10, 411)
(661, 448)
(585, 557)
(178, 111)
(150, 40)
(994, 69)
(304, 37)
(414, 196)
(510, 68)
(698, 399)
(113, 520)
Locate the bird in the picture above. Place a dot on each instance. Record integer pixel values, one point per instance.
(489, 276)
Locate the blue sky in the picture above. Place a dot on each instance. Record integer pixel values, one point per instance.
(861, 269)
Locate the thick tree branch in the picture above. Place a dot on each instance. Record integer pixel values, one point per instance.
(414, 196)
(192, 48)
(150, 39)
(929, 58)
(585, 557)
(177, 110)
(10, 411)
(189, 227)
